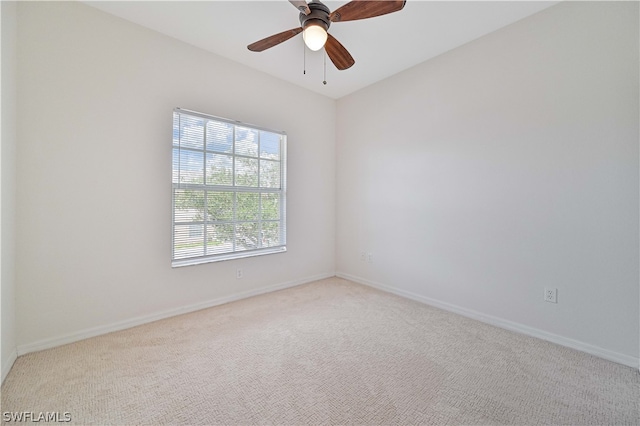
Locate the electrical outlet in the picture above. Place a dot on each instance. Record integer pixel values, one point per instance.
(370, 257)
(551, 295)
(363, 256)
(239, 274)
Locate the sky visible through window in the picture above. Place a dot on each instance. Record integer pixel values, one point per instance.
(189, 132)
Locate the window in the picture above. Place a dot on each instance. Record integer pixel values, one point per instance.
(228, 185)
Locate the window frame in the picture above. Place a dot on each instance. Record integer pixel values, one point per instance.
(207, 188)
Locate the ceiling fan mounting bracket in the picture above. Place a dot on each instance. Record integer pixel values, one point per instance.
(319, 15)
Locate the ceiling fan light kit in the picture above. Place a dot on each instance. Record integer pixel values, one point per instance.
(315, 25)
(314, 37)
(315, 20)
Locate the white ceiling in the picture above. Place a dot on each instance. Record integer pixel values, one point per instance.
(381, 46)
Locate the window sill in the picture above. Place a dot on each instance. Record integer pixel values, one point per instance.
(228, 256)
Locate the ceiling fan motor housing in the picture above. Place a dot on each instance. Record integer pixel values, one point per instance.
(319, 15)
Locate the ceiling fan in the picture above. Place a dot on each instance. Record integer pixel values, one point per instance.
(315, 19)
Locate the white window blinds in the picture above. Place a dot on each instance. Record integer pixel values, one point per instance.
(228, 186)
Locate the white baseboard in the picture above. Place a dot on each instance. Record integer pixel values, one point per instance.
(133, 322)
(6, 367)
(502, 323)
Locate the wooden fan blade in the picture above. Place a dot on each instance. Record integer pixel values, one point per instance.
(301, 5)
(363, 9)
(338, 54)
(273, 40)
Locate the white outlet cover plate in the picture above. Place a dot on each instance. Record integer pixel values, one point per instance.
(551, 295)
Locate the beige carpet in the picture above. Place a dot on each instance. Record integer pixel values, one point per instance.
(329, 352)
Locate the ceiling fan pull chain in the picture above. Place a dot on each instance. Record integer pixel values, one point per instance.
(325, 68)
(304, 58)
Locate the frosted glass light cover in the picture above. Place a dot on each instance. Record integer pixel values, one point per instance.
(314, 37)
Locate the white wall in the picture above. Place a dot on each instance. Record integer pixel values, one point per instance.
(8, 187)
(509, 164)
(96, 95)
